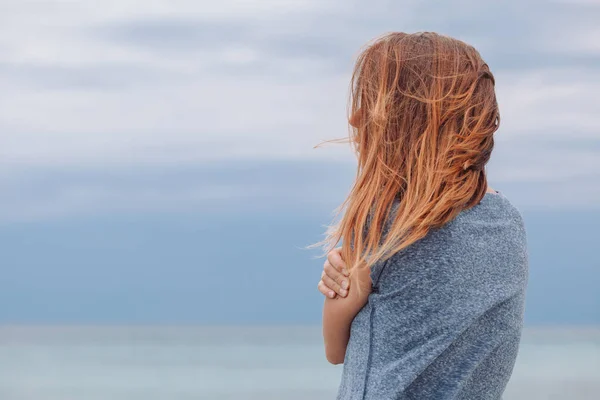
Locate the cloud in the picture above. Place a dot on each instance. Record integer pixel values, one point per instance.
(33, 194)
(550, 102)
(177, 84)
(532, 180)
(514, 164)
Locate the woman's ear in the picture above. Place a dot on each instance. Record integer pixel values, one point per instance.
(355, 118)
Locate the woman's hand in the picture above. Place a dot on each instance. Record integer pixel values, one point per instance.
(334, 278)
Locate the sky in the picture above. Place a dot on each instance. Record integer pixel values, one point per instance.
(157, 160)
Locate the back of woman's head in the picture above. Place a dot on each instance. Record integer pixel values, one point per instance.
(423, 113)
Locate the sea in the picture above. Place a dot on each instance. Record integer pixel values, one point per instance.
(243, 363)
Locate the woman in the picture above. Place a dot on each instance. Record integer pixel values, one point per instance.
(432, 271)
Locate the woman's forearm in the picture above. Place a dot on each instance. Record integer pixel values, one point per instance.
(337, 319)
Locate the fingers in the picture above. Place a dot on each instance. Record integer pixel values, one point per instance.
(335, 259)
(325, 290)
(334, 279)
(336, 272)
(339, 284)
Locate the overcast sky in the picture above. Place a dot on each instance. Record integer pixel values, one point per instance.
(97, 95)
(157, 160)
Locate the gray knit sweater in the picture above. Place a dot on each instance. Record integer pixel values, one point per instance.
(445, 316)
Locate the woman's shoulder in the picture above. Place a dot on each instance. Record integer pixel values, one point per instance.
(494, 208)
(491, 227)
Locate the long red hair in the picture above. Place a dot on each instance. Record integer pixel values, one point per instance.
(424, 111)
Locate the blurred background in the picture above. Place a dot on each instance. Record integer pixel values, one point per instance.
(159, 185)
